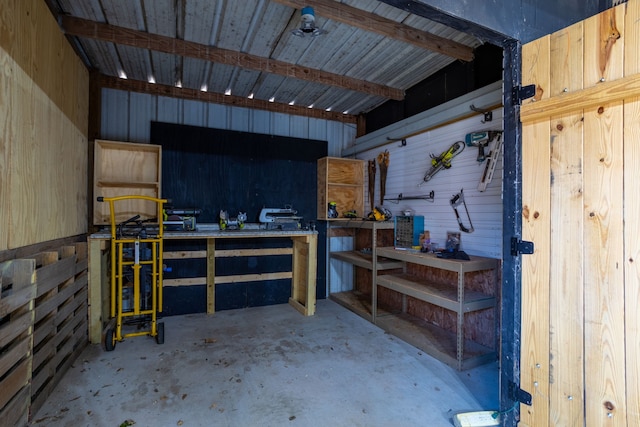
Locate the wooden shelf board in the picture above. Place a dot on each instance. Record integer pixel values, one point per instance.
(365, 260)
(476, 263)
(439, 294)
(131, 184)
(355, 223)
(355, 301)
(435, 341)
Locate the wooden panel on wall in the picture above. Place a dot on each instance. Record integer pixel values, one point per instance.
(44, 131)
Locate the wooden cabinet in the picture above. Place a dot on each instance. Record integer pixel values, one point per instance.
(340, 181)
(366, 236)
(454, 348)
(125, 168)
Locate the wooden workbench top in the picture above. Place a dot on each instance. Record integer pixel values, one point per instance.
(204, 231)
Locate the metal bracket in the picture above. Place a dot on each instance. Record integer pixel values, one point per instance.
(403, 141)
(516, 394)
(520, 93)
(521, 247)
(488, 115)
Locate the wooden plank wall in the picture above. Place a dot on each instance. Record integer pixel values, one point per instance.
(580, 337)
(43, 128)
(43, 327)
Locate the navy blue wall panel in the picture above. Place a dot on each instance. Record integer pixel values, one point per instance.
(214, 169)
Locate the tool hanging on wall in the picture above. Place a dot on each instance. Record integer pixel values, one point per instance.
(492, 161)
(457, 200)
(481, 140)
(400, 197)
(383, 162)
(372, 183)
(443, 161)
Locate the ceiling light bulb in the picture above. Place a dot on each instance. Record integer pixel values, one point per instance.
(272, 99)
(310, 106)
(250, 95)
(122, 74)
(292, 102)
(178, 83)
(328, 109)
(227, 92)
(152, 80)
(203, 88)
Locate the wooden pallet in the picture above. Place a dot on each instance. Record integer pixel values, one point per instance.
(43, 327)
(17, 313)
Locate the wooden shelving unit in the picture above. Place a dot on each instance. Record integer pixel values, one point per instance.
(451, 348)
(126, 168)
(373, 233)
(340, 181)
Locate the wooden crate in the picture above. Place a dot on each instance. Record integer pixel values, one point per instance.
(340, 181)
(126, 168)
(17, 294)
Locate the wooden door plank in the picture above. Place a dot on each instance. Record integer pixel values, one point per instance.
(603, 266)
(535, 68)
(566, 278)
(534, 357)
(566, 389)
(604, 47)
(632, 253)
(632, 215)
(566, 61)
(632, 38)
(605, 92)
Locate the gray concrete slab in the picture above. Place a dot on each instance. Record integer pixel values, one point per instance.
(266, 366)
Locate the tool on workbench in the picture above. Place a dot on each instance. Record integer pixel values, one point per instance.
(443, 161)
(232, 223)
(180, 219)
(280, 218)
(492, 161)
(457, 200)
(401, 197)
(380, 213)
(136, 272)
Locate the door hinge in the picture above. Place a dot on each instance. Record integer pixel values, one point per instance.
(521, 247)
(520, 93)
(516, 394)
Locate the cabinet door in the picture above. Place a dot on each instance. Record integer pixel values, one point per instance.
(122, 169)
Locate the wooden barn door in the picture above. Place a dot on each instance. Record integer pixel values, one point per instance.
(581, 207)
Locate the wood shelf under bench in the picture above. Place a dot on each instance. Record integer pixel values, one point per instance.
(451, 347)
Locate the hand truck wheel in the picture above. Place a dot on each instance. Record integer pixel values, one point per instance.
(110, 340)
(160, 333)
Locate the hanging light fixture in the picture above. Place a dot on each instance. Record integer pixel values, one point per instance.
(308, 24)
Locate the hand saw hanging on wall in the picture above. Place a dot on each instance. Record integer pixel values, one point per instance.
(457, 200)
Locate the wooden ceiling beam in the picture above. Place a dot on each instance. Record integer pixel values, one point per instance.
(368, 21)
(139, 86)
(125, 36)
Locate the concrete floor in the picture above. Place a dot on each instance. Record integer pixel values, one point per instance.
(266, 366)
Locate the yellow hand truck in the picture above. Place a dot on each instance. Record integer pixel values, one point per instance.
(136, 273)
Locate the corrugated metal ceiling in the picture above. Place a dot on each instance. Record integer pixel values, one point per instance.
(351, 58)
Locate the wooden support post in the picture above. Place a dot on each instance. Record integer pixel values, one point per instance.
(211, 276)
